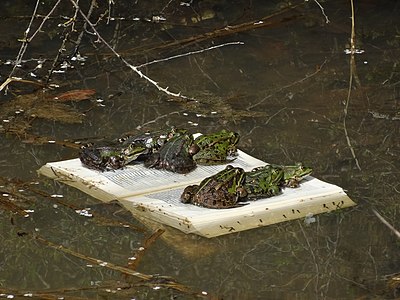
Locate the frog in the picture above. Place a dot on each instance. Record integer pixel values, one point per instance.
(294, 174)
(216, 148)
(176, 155)
(219, 191)
(139, 147)
(264, 181)
(102, 158)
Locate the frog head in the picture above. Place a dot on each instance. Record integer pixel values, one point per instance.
(294, 174)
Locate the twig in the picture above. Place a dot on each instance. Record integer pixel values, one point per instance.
(352, 72)
(26, 40)
(382, 219)
(317, 272)
(322, 11)
(266, 21)
(16, 79)
(147, 243)
(280, 89)
(132, 67)
(155, 280)
(189, 53)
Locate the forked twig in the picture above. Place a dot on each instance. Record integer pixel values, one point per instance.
(132, 67)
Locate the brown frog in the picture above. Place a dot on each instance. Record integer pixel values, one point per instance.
(222, 190)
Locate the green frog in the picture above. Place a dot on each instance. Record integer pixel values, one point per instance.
(139, 147)
(294, 174)
(176, 155)
(118, 153)
(104, 158)
(222, 190)
(215, 148)
(265, 181)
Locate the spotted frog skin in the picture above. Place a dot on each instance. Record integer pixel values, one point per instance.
(125, 150)
(175, 155)
(294, 174)
(264, 182)
(102, 158)
(215, 148)
(143, 145)
(232, 186)
(222, 190)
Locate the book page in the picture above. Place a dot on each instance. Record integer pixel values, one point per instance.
(141, 180)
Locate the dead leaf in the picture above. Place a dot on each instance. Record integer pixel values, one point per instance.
(75, 95)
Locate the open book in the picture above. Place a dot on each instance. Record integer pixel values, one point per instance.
(155, 194)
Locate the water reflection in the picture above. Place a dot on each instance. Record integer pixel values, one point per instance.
(284, 90)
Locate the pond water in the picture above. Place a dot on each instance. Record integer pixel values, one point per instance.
(285, 84)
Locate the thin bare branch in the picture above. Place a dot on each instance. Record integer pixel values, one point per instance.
(352, 75)
(132, 67)
(383, 220)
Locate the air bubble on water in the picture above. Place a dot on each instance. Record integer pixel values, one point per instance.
(78, 57)
(56, 196)
(84, 212)
(156, 288)
(309, 219)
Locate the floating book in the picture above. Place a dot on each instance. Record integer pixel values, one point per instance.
(155, 194)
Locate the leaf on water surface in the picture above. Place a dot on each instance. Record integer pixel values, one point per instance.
(57, 112)
(75, 95)
(42, 106)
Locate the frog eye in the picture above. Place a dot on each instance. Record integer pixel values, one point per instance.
(241, 191)
(193, 149)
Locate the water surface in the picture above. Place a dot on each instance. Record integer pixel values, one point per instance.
(285, 88)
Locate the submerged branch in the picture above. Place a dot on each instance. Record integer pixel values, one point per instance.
(153, 280)
(142, 250)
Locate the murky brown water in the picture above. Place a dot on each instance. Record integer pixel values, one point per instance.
(284, 90)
